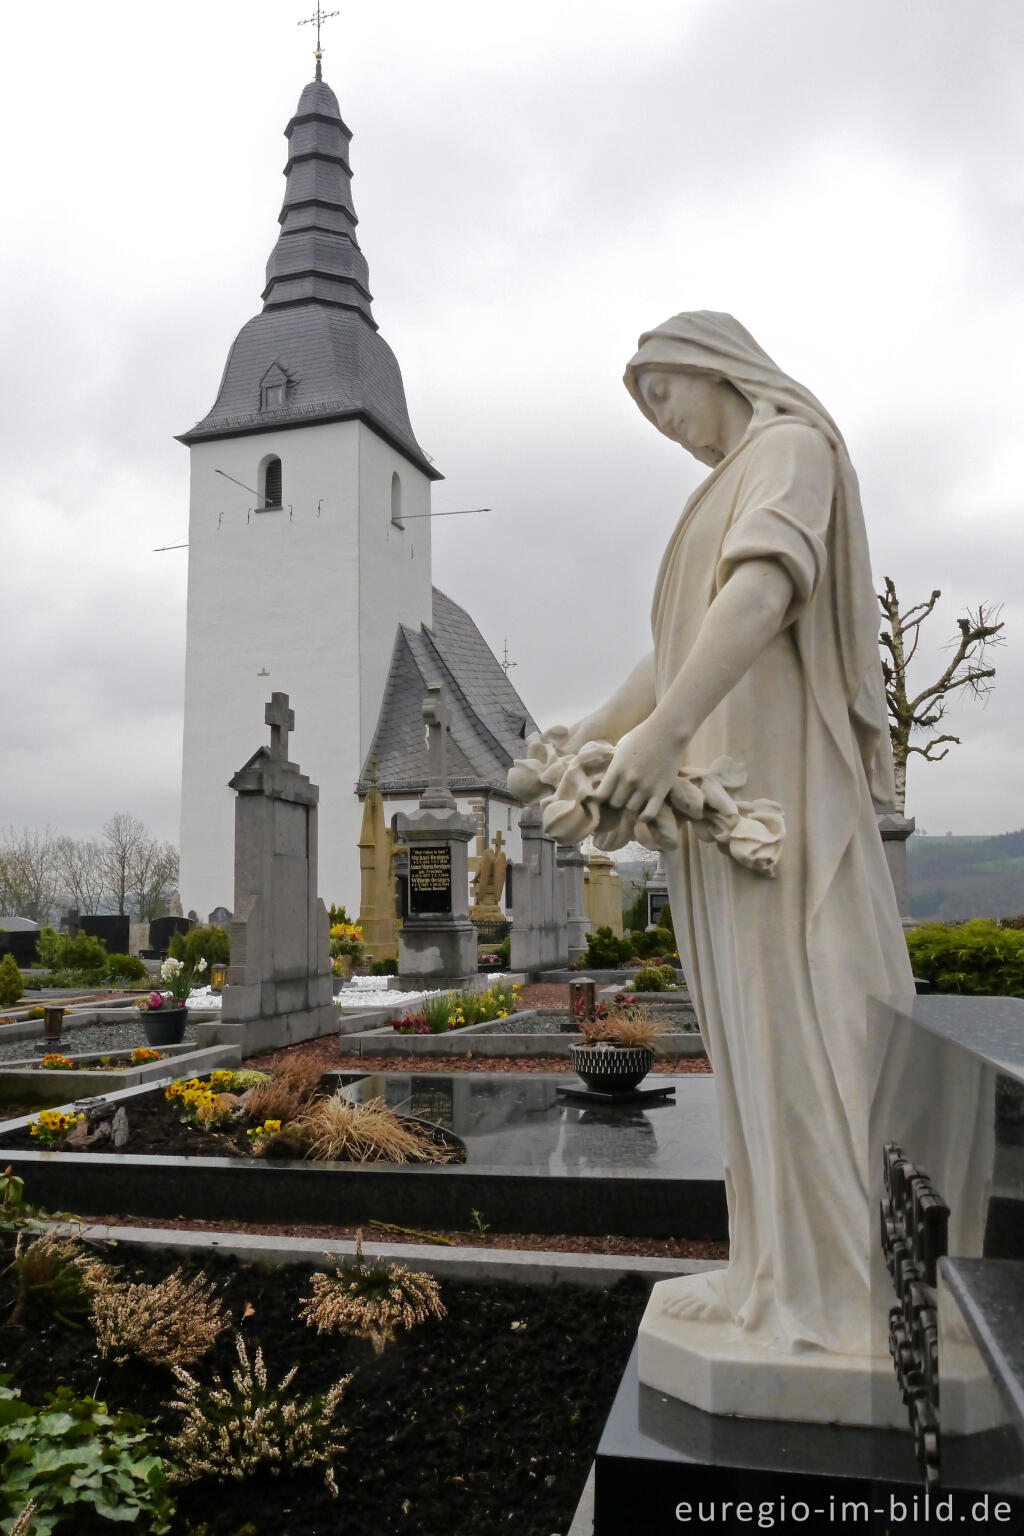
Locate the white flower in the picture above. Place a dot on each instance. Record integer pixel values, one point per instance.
(170, 969)
(200, 967)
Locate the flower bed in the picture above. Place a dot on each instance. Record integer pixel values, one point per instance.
(480, 1423)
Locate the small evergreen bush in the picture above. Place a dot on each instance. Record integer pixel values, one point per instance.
(606, 951)
(668, 975)
(388, 967)
(977, 958)
(504, 952)
(11, 985)
(124, 968)
(204, 942)
(647, 979)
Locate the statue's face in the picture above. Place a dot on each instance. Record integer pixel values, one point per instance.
(688, 408)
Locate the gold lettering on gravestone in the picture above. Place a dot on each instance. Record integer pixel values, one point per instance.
(430, 879)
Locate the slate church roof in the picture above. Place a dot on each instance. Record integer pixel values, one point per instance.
(316, 334)
(489, 721)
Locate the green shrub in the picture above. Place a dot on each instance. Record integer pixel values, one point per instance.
(504, 951)
(11, 985)
(124, 968)
(978, 958)
(84, 952)
(668, 975)
(204, 942)
(48, 949)
(647, 979)
(605, 950)
(388, 967)
(73, 1459)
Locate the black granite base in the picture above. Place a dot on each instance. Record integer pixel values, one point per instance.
(663, 1467)
(651, 1096)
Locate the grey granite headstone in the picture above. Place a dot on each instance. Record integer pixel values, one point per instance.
(279, 977)
(549, 919)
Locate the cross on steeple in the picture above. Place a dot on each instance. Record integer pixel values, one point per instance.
(319, 16)
(281, 720)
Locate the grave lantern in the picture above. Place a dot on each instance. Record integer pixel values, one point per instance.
(582, 1002)
(218, 975)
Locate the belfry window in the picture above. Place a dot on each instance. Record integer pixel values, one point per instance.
(396, 501)
(270, 484)
(274, 389)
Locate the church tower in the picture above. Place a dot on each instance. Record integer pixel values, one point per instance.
(309, 533)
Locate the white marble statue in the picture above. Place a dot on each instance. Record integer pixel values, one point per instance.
(765, 652)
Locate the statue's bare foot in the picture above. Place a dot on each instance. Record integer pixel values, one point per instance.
(697, 1298)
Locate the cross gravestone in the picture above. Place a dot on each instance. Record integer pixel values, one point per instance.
(279, 977)
(437, 944)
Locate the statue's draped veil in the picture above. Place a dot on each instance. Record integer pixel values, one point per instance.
(705, 341)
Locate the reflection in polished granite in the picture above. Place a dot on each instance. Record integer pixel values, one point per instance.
(516, 1121)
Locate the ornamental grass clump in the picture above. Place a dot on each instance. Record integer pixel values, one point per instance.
(371, 1301)
(56, 1280)
(619, 1031)
(339, 1129)
(237, 1430)
(171, 1323)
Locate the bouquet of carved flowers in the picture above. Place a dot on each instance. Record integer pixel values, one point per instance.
(179, 981)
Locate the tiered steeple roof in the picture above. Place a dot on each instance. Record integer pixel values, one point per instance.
(314, 353)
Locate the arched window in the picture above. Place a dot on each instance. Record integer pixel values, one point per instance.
(269, 483)
(396, 501)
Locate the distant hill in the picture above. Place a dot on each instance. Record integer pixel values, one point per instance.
(957, 877)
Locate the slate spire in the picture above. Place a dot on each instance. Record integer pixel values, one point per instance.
(317, 257)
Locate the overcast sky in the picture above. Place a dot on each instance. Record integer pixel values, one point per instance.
(536, 185)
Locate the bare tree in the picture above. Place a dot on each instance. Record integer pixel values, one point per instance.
(153, 877)
(29, 879)
(81, 869)
(968, 668)
(123, 836)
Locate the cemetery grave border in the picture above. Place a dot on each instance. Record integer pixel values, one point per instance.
(628, 1202)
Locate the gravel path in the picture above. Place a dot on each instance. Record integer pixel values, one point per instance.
(90, 1037)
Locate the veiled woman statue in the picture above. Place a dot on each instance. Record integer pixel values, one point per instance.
(765, 652)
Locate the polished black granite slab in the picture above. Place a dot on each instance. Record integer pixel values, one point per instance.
(658, 1455)
(511, 1120)
(990, 1295)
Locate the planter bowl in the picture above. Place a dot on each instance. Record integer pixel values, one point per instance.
(611, 1071)
(165, 1026)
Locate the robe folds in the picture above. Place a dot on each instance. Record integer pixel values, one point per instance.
(780, 970)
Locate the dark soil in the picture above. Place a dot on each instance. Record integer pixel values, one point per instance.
(155, 1128)
(484, 1423)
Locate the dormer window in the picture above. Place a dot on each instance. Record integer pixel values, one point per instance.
(274, 389)
(269, 484)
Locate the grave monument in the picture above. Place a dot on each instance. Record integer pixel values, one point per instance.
(378, 916)
(437, 942)
(279, 977)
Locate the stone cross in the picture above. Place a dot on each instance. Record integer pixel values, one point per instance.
(499, 842)
(281, 720)
(435, 713)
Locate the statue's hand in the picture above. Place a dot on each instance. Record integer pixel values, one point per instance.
(643, 770)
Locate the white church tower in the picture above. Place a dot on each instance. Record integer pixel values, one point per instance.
(309, 539)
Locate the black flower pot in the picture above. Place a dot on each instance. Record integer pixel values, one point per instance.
(611, 1071)
(165, 1026)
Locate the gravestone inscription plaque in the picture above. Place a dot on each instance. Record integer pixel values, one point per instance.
(430, 878)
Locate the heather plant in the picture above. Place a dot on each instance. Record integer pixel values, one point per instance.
(371, 1300)
(56, 1280)
(287, 1094)
(240, 1081)
(233, 1431)
(11, 985)
(174, 1322)
(70, 1461)
(979, 958)
(340, 1129)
